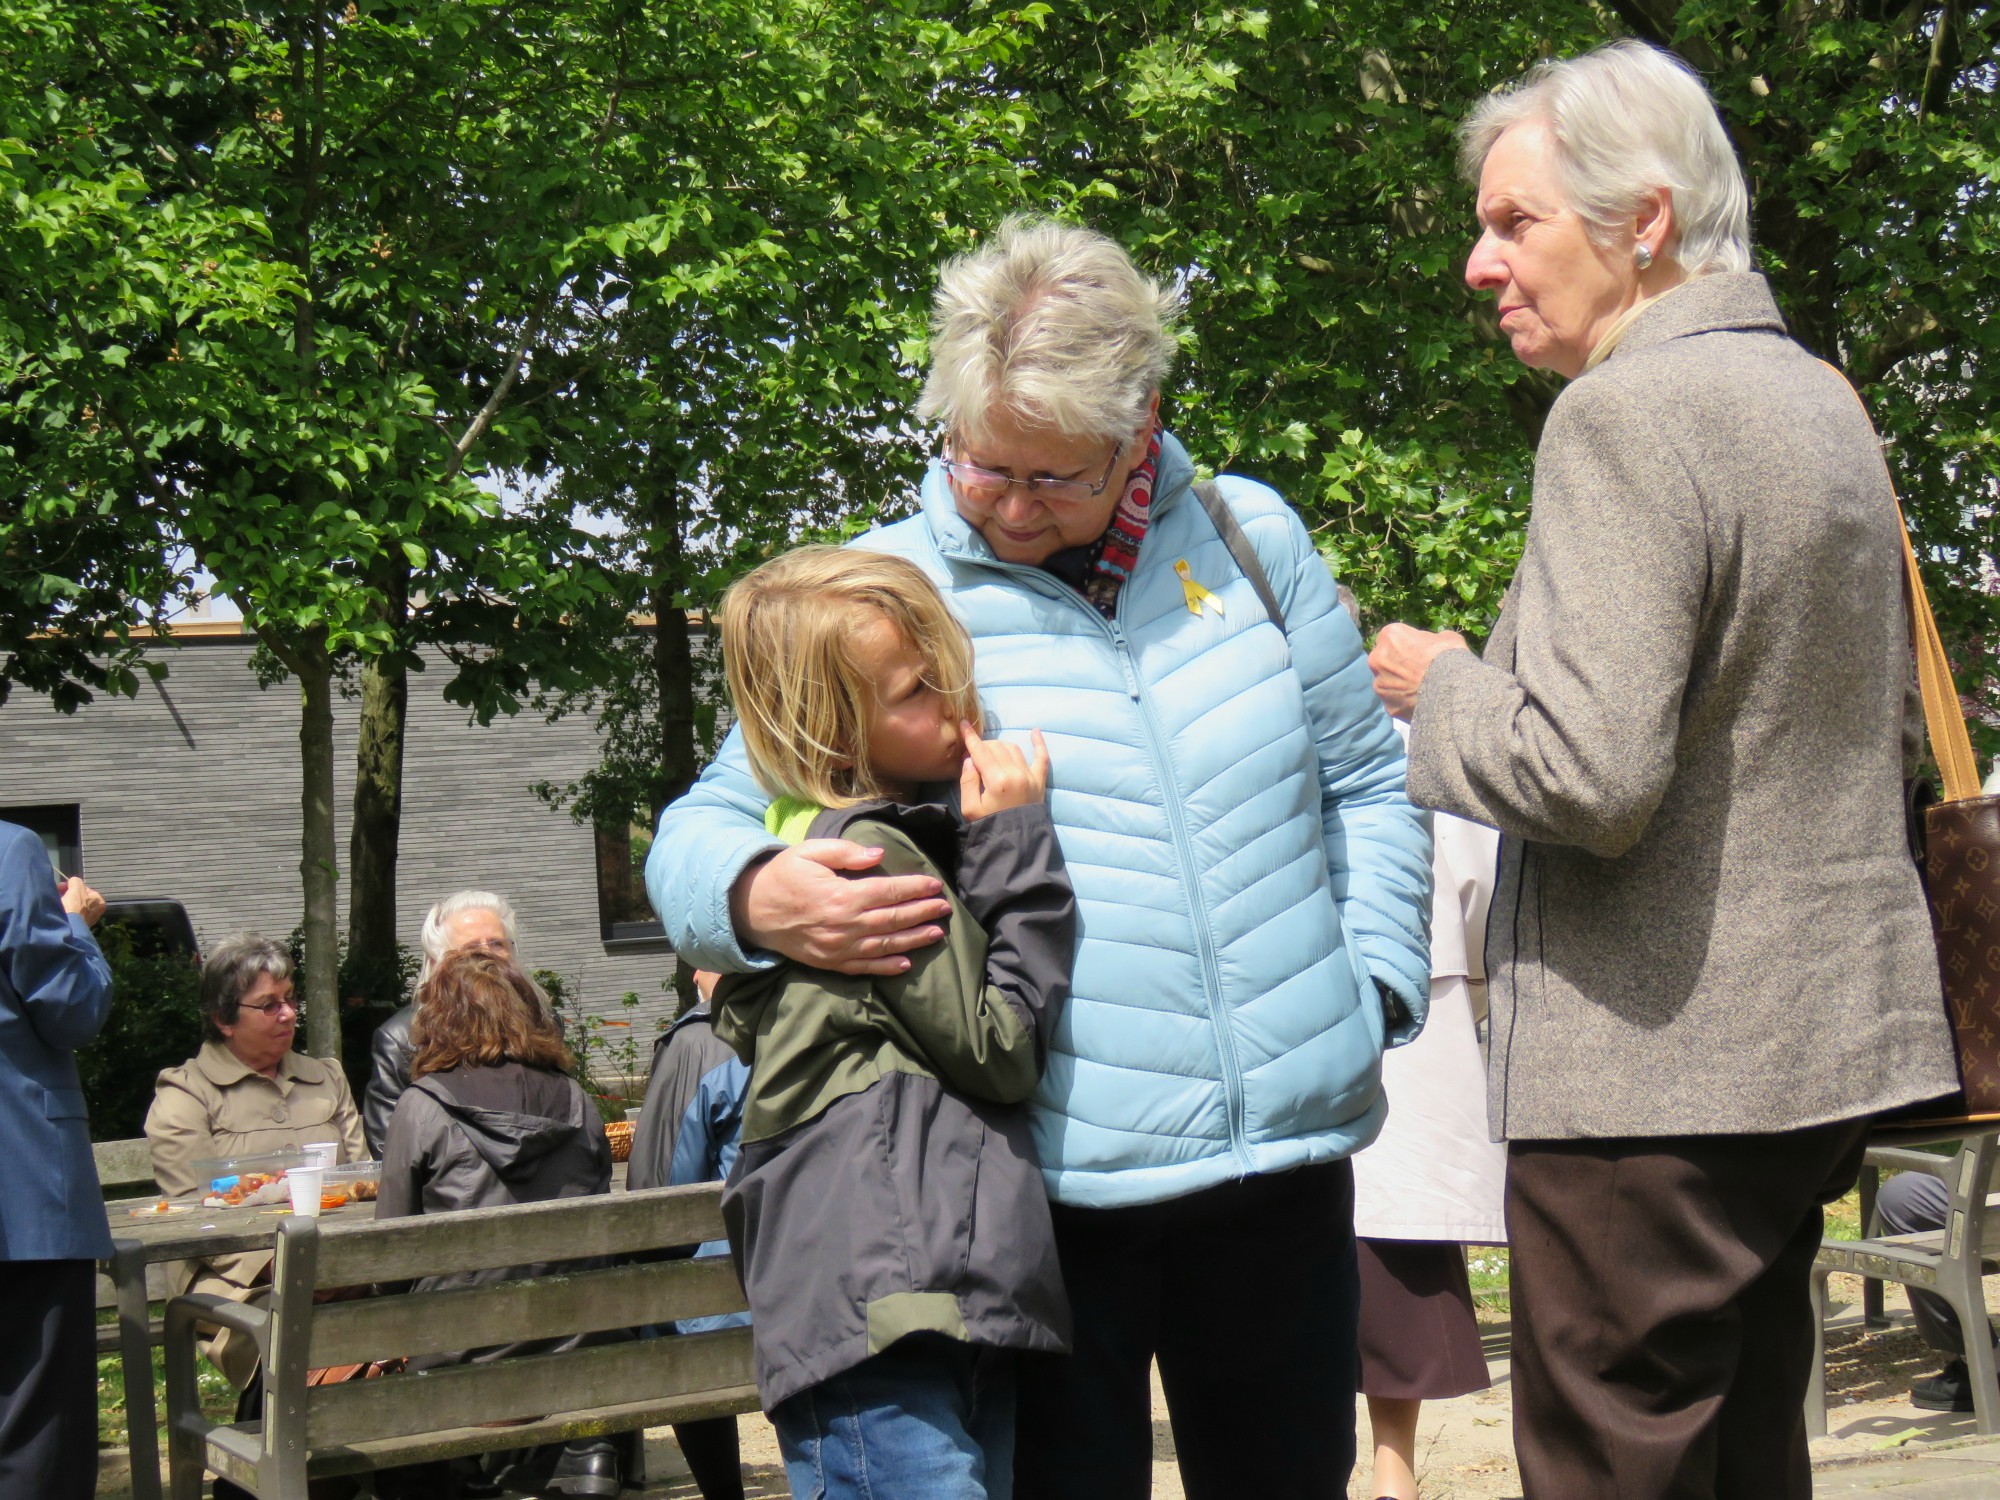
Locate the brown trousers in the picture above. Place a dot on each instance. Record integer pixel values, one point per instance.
(1662, 1311)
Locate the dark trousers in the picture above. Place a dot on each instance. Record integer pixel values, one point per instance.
(48, 1380)
(1248, 1295)
(1913, 1203)
(1662, 1311)
(713, 1456)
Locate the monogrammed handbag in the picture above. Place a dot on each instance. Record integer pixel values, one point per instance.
(1961, 866)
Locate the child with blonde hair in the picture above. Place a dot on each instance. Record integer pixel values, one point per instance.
(887, 1212)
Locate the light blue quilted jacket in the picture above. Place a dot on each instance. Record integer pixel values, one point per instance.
(1230, 803)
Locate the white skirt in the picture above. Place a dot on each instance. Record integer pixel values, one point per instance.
(1433, 1174)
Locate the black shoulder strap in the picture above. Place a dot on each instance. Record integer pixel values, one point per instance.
(1231, 531)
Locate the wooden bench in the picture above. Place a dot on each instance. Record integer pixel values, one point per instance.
(309, 1432)
(124, 1168)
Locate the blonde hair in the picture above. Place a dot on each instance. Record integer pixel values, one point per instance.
(1053, 323)
(802, 700)
(1627, 120)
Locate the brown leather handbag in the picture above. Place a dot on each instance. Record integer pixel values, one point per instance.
(1961, 865)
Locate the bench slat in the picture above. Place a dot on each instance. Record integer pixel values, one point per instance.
(582, 1380)
(425, 1447)
(123, 1164)
(156, 1285)
(519, 1235)
(545, 1307)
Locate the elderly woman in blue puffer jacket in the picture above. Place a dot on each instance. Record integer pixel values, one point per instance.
(1252, 884)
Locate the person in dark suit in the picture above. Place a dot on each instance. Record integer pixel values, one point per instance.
(55, 991)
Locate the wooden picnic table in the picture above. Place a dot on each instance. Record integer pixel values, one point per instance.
(189, 1233)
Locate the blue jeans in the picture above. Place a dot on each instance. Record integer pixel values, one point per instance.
(927, 1419)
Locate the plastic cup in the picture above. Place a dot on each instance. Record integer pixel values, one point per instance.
(305, 1184)
(321, 1154)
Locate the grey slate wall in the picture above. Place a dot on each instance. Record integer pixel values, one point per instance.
(211, 817)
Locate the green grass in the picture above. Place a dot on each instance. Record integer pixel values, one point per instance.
(218, 1398)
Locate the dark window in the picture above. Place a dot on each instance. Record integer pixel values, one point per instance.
(624, 914)
(60, 825)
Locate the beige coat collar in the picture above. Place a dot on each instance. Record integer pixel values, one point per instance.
(222, 1068)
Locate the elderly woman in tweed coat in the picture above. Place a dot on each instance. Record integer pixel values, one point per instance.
(1709, 958)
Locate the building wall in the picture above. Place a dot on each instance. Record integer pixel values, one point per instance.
(206, 811)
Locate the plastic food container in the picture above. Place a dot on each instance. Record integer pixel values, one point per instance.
(246, 1181)
(355, 1183)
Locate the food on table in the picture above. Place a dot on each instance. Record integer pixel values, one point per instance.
(247, 1189)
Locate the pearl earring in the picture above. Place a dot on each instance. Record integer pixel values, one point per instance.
(1642, 257)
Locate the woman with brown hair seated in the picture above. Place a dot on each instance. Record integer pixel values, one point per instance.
(493, 1117)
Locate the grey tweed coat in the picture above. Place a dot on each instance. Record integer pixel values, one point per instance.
(1687, 726)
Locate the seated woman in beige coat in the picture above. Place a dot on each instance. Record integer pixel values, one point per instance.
(244, 1093)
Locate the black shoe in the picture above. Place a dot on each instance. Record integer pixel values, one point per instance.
(1948, 1390)
(588, 1466)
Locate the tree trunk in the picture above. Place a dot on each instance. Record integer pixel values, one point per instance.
(319, 869)
(378, 808)
(673, 660)
(673, 672)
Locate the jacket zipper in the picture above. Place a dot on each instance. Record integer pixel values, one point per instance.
(1225, 1037)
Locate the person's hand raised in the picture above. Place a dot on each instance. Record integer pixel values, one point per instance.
(80, 900)
(998, 775)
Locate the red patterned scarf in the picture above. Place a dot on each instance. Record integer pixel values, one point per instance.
(1118, 549)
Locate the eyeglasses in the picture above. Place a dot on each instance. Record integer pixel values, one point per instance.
(991, 484)
(271, 1006)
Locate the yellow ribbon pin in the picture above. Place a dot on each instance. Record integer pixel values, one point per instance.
(1197, 596)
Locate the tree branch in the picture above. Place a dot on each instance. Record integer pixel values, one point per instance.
(1916, 332)
(1653, 21)
(517, 360)
(164, 141)
(1941, 74)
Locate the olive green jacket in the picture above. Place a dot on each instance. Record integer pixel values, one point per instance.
(888, 1182)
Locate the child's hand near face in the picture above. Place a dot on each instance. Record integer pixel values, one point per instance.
(998, 775)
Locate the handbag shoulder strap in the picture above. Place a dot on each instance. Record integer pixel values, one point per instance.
(1944, 714)
(1231, 531)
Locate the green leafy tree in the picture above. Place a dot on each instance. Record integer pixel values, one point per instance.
(340, 233)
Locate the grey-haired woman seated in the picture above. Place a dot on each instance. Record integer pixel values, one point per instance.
(1709, 959)
(246, 1092)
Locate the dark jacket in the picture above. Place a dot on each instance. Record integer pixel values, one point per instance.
(888, 1183)
(691, 1126)
(389, 1057)
(485, 1137)
(688, 1052)
(1688, 726)
(55, 991)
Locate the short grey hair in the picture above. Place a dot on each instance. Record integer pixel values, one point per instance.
(437, 943)
(231, 971)
(1628, 119)
(1053, 323)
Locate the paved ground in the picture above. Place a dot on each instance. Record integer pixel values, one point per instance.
(1877, 1443)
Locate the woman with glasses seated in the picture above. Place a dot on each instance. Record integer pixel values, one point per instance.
(1251, 882)
(246, 1092)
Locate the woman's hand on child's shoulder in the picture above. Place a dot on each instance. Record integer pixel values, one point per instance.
(999, 775)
